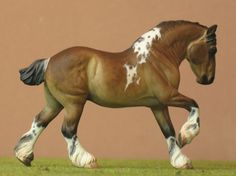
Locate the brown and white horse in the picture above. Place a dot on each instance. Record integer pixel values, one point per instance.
(146, 74)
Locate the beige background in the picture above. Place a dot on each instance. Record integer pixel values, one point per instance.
(34, 29)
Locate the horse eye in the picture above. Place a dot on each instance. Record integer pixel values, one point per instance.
(212, 50)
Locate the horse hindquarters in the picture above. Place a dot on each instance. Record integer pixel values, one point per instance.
(66, 78)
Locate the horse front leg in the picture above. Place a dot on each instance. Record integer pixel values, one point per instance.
(177, 158)
(191, 127)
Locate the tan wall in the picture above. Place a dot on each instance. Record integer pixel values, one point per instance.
(34, 29)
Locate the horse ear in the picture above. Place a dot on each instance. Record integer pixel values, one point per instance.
(212, 29)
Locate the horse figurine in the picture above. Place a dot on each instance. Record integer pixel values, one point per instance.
(146, 74)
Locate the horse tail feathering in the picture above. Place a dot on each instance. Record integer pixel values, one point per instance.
(34, 74)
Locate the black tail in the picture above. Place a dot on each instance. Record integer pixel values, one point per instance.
(34, 74)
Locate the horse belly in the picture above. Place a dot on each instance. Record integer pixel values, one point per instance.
(108, 94)
(120, 102)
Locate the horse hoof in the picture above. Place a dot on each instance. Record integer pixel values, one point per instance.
(92, 165)
(26, 160)
(187, 166)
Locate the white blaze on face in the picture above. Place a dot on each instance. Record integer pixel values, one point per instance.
(143, 45)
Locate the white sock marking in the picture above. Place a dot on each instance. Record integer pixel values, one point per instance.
(191, 128)
(26, 148)
(177, 159)
(77, 154)
(194, 114)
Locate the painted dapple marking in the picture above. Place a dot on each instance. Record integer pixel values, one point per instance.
(143, 45)
(142, 48)
(132, 75)
(146, 74)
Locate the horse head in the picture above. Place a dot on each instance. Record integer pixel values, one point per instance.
(201, 56)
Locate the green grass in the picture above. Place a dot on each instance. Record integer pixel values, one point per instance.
(63, 167)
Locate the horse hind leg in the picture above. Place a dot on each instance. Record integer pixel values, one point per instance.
(77, 154)
(24, 147)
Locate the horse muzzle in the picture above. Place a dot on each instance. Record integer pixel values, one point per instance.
(205, 80)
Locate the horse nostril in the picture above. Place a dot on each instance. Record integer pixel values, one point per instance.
(204, 79)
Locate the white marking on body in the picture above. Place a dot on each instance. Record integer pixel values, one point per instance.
(138, 80)
(77, 154)
(46, 64)
(142, 47)
(131, 74)
(177, 158)
(191, 128)
(26, 147)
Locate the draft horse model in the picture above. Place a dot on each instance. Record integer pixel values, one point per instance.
(146, 74)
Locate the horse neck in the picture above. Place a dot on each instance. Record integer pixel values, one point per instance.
(176, 40)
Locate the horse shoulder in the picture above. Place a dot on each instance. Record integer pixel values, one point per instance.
(162, 79)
